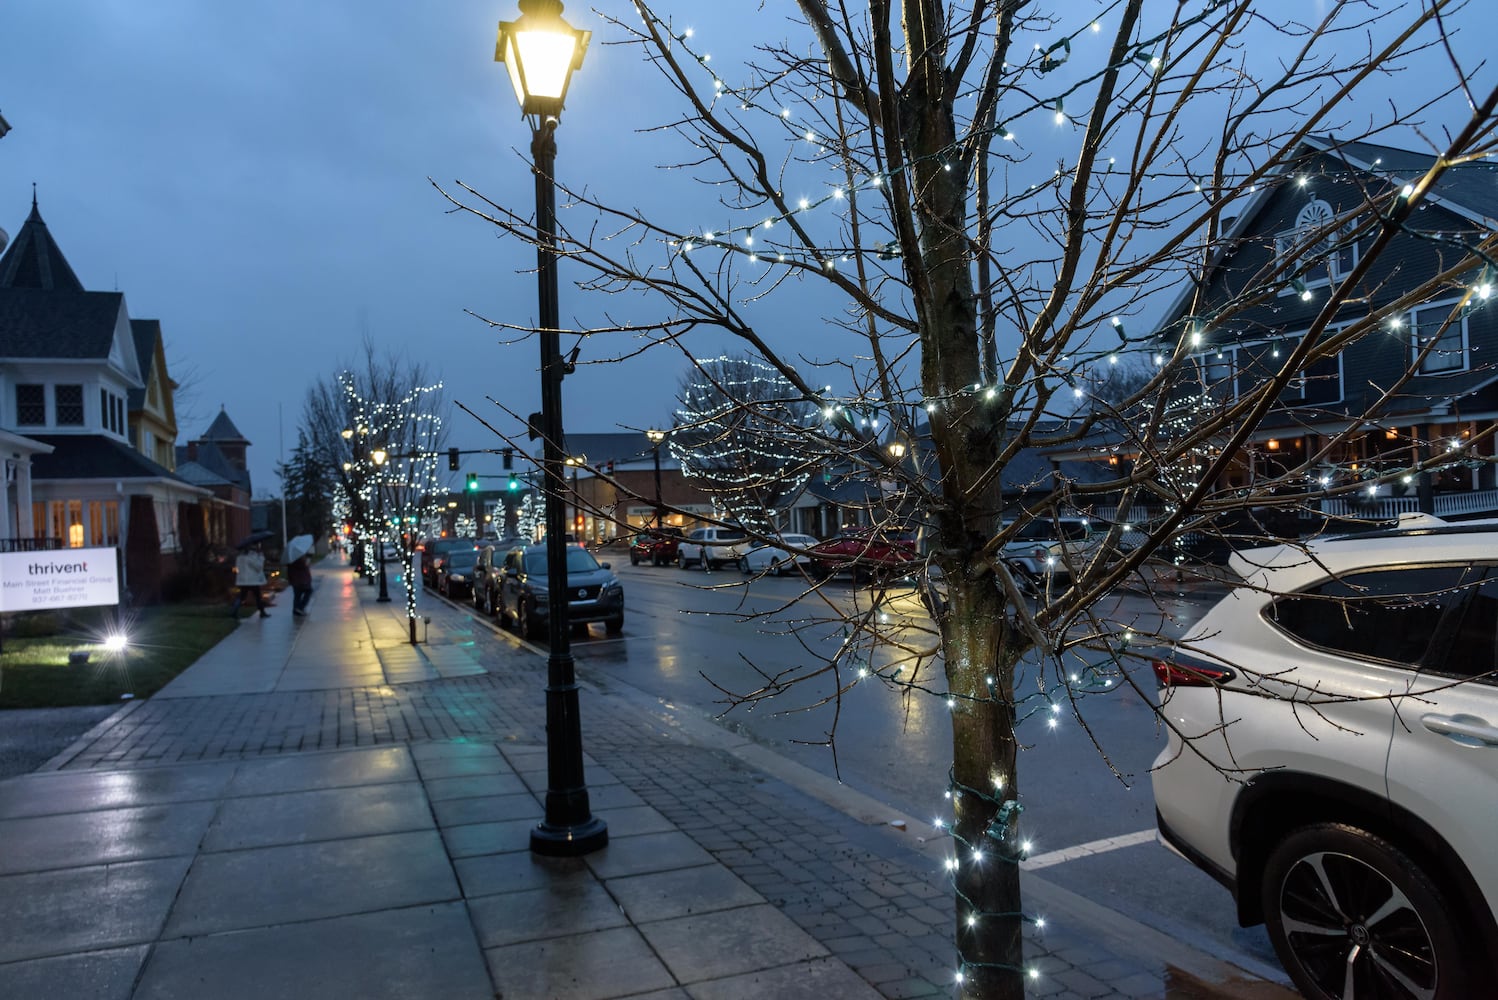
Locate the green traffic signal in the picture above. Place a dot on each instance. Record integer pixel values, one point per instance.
(473, 482)
(514, 484)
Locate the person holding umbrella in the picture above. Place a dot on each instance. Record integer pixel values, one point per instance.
(249, 576)
(299, 572)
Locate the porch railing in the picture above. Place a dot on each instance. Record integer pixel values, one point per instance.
(30, 544)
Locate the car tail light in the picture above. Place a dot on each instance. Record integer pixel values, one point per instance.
(1189, 673)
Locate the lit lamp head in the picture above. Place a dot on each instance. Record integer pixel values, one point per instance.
(378, 456)
(655, 436)
(896, 450)
(540, 52)
(347, 433)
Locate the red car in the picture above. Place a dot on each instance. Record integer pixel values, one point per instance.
(657, 546)
(866, 552)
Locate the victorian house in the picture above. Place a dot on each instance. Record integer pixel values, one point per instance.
(86, 420)
(1424, 382)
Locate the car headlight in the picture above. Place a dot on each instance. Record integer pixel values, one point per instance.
(540, 594)
(459, 577)
(613, 586)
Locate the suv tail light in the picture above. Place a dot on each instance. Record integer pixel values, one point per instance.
(1190, 673)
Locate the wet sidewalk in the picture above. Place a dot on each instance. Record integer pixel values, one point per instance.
(318, 809)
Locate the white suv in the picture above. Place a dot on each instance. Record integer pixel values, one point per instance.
(710, 548)
(1332, 757)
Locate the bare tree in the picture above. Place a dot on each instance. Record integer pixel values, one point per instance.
(387, 403)
(1011, 197)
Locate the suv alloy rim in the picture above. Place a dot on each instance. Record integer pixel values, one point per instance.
(1354, 932)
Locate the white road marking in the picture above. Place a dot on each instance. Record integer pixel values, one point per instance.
(1087, 850)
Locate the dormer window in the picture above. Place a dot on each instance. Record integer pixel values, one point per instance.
(69, 401)
(31, 405)
(1316, 261)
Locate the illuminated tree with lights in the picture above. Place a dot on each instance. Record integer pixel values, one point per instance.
(741, 430)
(391, 404)
(978, 208)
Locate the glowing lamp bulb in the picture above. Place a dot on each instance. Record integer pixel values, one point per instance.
(116, 642)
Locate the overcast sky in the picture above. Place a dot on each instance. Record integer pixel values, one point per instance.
(255, 177)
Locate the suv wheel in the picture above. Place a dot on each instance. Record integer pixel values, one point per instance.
(634, 558)
(1350, 914)
(525, 622)
(681, 561)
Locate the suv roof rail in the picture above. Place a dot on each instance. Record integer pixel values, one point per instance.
(1410, 525)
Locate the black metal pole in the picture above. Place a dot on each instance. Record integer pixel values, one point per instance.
(570, 828)
(659, 514)
(384, 597)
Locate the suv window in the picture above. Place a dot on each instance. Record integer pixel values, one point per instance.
(1382, 614)
(1474, 643)
(725, 535)
(697, 535)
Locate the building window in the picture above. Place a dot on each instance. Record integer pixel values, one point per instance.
(104, 410)
(31, 405)
(69, 400)
(1317, 261)
(1444, 332)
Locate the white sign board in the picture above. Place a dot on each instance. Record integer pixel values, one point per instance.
(58, 578)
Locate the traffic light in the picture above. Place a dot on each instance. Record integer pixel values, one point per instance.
(473, 482)
(452, 460)
(509, 460)
(514, 483)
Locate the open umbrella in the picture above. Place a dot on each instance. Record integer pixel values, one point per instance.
(298, 547)
(254, 537)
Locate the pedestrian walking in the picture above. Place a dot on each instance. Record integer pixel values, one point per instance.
(249, 576)
(299, 573)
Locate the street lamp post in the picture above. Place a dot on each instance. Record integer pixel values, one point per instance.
(656, 437)
(575, 462)
(540, 51)
(378, 456)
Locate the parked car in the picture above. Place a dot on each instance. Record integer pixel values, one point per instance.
(455, 573)
(762, 557)
(865, 552)
(1043, 551)
(594, 593)
(657, 546)
(432, 549)
(1343, 720)
(710, 548)
(488, 571)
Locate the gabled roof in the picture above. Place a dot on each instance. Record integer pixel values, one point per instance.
(146, 333)
(35, 323)
(1469, 189)
(211, 459)
(223, 430)
(199, 475)
(34, 260)
(94, 456)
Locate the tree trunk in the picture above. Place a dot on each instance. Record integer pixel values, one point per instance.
(985, 789)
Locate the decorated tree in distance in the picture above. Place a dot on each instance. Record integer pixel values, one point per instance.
(741, 430)
(384, 406)
(976, 202)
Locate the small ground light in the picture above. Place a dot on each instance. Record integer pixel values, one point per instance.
(116, 642)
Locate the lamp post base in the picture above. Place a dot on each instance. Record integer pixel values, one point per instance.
(569, 841)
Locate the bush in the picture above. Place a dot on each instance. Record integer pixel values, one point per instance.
(33, 625)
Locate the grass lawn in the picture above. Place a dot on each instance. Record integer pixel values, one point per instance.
(163, 642)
